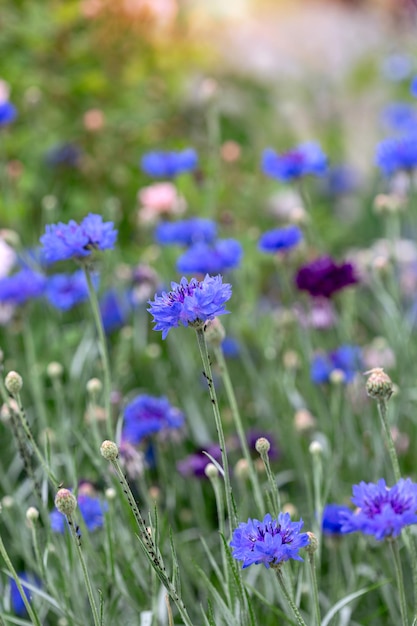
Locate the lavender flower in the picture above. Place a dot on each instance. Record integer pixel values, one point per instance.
(195, 464)
(21, 287)
(92, 511)
(280, 239)
(8, 113)
(64, 291)
(270, 542)
(146, 415)
(324, 277)
(168, 164)
(331, 522)
(382, 511)
(186, 232)
(307, 158)
(346, 359)
(190, 303)
(203, 258)
(397, 153)
(76, 241)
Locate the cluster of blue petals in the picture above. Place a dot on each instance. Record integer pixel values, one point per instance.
(146, 415)
(16, 600)
(169, 164)
(65, 291)
(190, 303)
(307, 158)
(115, 308)
(382, 511)
(397, 153)
(347, 359)
(75, 241)
(92, 511)
(186, 232)
(205, 258)
(270, 542)
(400, 116)
(8, 113)
(331, 522)
(280, 239)
(21, 287)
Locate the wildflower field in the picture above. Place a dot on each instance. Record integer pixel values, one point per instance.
(208, 309)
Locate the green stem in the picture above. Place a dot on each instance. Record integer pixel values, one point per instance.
(313, 574)
(35, 383)
(383, 413)
(275, 496)
(400, 580)
(288, 597)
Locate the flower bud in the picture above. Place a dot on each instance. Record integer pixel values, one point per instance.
(211, 470)
(65, 502)
(242, 469)
(94, 386)
(13, 382)
(262, 445)
(32, 514)
(379, 385)
(315, 448)
(214, 332)
(109, 450)
(54, 370)
(110, 493)
(313, 545)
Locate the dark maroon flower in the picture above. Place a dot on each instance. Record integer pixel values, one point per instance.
(323, 277)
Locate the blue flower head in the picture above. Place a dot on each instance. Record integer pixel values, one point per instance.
(114, 308)
(397, 153)
(92, 511)
(168, 164)
(399, 116)
(64, 291)
(382, 511)
(307, 158)
(347, 359)
(271, 542)
(331, 522)
(146, 415)
(280, 239)
(8, 113)
(21, 287)
(75, 241)
(186, 232)
(64, 154)
(203, 258)
(191, 302)
(413, 87)
(341, 180)
(16, 600)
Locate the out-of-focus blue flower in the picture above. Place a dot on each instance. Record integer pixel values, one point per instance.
(280, 239)
(186, 232)
(73, 240)
(16, 601)
(382, 511)
(195, 464)
(230, 347)
(271, 542)
(169, 164)
(64, 291)
(204, 258)
(397, 153)
(190, 303)
(413, 87)
(346, 359)
(65, 154)
(331, 523)
(323, 277)
(397, 66)
(341, 180)
(92, 511)
(8, 113)
(400, 116)
(115, 309)
(307, 158)
(146, 415)
(21, 287)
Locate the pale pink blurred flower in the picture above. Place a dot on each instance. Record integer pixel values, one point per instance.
(14, 169)
(230, 151)
(378, 354)
(93, 120)
(159, 199)
(161, 11)
(401, 440)
(7, 258)
(6, 313)
(4, 91)
(91, 8)
(320, 315)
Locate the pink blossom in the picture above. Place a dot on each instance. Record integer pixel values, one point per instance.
(158, 199)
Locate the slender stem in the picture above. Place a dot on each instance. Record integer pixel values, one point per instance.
(275, 496)
(224, 372)
(288, 597)
(35, 383)
(102, 343)
(231, 511)
(313, 574)
(400, 580)
(383, 413)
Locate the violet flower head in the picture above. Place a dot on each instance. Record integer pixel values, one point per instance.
(195, 464)
(92, 511)
(190, 303)
(76, 241)
(346, 359)
(271, 542)
(323, 277)
(397, 153)
(280, 239)
(307, 158)
(331, 523)
(146, 415)
(413, 87)
(65, 291)
(203, 258)
(8, 113)
(21, 287)
(115, 308)
(168, 164)
(382, 511)
(16, 600)
(186, 232)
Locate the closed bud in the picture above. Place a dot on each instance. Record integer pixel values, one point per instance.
(65, 502)
(379, 385)
(109, 450)
(211, 470)
(214, 332)
(242, 469)
(313, 545)
(94, 386)
(262, 445)
(13, 382)
(54, 370)
(315, 448)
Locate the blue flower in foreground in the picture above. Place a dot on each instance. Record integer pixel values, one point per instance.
(64, 291)
(169, 164)
(397, 153)
(307, 158)
(146, 415)
(16, 601)
(21, 287)
(270, 542)
(186, 232)
(75, 241)
(280, 239)
(382, 511)
(8, 113)
(346, 359)
(190, 303)
(203, 258)
(331, 522)
(92, 511)
(413, 87)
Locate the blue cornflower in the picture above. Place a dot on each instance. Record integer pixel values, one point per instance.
(230, 347)
(8, 113)
(280, 239)
(16, 601)
(92, 511)
(73, 240)
(340, 180)
(186, 232)
(190, 303)
(270, 542)
(400, 116)
(397, 153)
(413, 87)
(114, 309)
(331, 522)
(382, 511)
(204, 258)
(64, 291)
(66, 154)
(347, 359)
(307, 158)
(21, 287)
(146, 415)
(169, 164)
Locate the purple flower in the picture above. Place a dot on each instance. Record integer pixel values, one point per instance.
(146, 415)
(75, 241)
(186, 232)
(8, 113)
(331, 522)
(21, 287)
(64, 291)
(280, 239)
(18, 606)
(347, 359)
(114, 308)
(270, 542)
(195, 464)
(92, 511)
(397, 153)
(382, 511)
(323, 277)
(190, 303)
(203, 258)
(168, 164)
(307, 158)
